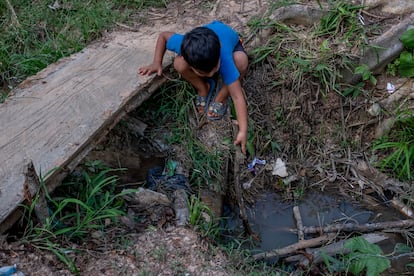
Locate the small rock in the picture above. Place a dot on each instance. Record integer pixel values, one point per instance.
(374, 110)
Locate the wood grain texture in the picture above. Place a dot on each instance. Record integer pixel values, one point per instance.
(55, 117)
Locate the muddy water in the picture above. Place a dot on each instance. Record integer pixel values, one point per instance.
(271, 217)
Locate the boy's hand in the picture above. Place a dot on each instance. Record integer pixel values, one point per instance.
(241, 140)
(149, 69)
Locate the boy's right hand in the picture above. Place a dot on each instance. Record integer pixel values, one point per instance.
(149, 69)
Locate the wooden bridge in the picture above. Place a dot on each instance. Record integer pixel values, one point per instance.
(53, 119)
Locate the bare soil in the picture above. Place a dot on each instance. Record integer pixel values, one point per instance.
(308, 127)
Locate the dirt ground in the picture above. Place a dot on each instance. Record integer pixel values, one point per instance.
(171, 250)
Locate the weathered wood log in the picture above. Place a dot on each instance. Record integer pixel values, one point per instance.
(315, 254)
(299, 224)
(381, 51)
(290, 249)
(352, 227)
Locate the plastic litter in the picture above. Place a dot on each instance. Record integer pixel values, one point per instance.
(256, 161)
(10, 270)
(390, 88)
(156, 180)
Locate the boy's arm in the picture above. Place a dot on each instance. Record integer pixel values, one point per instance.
(237, 96)
(160, 48)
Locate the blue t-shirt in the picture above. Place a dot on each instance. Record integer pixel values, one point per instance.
(228, 40)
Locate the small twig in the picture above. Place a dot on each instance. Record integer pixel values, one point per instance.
(290, 249)
(299, 224)
(126, 27)
(374, 15)
(13, 14)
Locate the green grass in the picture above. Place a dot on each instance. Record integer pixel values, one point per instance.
(397, 149)
(82, 204)
(202, 218)
(313, 57)
(38, 35)
(171, 107)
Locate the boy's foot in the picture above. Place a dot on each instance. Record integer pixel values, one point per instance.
(216, 111)
(203, 101)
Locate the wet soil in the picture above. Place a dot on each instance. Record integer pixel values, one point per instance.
(308, 127)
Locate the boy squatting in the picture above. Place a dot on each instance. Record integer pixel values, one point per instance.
(203, 53)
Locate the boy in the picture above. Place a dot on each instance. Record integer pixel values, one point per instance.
(201, 54)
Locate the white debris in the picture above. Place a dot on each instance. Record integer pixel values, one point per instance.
(390, 88)
(279, 168)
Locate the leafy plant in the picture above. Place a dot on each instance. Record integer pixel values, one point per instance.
(398, 148)
(342, 17)
(406, 59)
(366, 73)
(362, 258)
(354, 90)
(202, 218)
(83, 207)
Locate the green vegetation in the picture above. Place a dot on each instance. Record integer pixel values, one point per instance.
(172, 107)
(35, 34)
(202, 218)
(317, 56)
(362, 258)
(406, 60)
(398, 148)
(86, 203)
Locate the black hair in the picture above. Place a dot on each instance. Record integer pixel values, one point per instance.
(201, 49)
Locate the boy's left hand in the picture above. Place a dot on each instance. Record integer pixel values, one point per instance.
(241, 140)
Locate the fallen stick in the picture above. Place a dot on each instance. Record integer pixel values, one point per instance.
(315, 254)
(290, 249)
(299, 224)
(352, 227)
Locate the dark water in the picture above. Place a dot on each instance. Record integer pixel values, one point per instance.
(271, 217)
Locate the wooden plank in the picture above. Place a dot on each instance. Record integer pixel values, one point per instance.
(55, 117)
